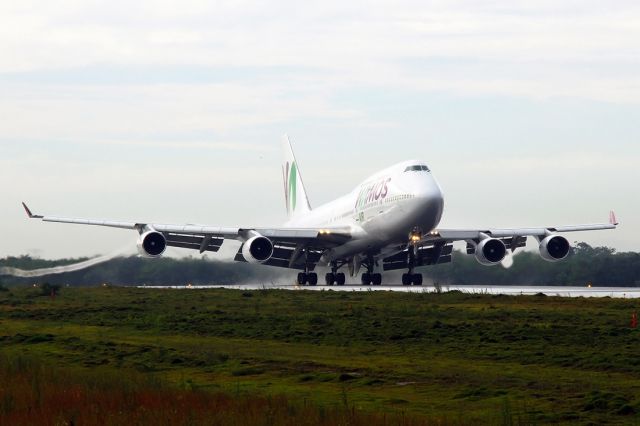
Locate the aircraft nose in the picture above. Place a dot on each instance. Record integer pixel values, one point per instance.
(431, 199)
(429, 192)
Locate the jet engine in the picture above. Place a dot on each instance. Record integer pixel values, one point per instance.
(152, 244)
(257, 249)
(490, 251)
(554, 248)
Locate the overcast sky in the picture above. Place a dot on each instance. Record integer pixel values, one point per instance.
(528, 113)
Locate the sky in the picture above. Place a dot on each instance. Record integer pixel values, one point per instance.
(528, 113)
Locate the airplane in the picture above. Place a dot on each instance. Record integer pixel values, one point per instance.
(388, 222)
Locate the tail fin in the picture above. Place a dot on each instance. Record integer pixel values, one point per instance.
(295, 195)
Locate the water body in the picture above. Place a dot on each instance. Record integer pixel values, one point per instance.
(614, 292)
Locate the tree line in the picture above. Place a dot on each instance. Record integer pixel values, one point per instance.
(599, 266)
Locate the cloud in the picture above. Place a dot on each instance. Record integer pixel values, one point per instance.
(352, 44)
(118, 104)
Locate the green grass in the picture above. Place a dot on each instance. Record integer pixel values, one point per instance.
(444, 358)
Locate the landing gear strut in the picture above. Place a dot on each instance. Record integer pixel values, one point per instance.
(335, 277)
(369, 277)
(412, 252)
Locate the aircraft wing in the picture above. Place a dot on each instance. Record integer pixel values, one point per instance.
(289, 243)
(513, 237)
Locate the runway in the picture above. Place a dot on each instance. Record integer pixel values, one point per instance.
(561, 291)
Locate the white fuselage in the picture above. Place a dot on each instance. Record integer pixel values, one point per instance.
(382, 211)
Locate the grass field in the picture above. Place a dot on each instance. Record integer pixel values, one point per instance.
(123, 355)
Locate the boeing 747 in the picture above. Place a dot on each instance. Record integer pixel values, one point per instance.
(389, 222)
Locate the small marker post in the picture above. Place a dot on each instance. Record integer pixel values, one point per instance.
(634, 320)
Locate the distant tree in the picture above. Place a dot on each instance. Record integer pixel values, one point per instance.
(47, 289)
(585, 264)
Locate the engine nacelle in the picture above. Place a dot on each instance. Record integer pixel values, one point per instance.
(554, 248)
(257, 249)
(152, 244)
(490, 251)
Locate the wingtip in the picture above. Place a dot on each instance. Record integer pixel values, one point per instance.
(28, 211)
(612, 218)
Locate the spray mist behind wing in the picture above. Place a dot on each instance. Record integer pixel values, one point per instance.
(65, 268)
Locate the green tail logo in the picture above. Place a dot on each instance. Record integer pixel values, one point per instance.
(290, 181)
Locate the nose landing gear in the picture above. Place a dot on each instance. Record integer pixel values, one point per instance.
(411, 278)
(414, 239)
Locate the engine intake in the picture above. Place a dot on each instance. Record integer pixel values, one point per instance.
(490, 251)
(257, 249)
(554, 248)
(152, 244)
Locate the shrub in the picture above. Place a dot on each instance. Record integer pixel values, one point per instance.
(47, 289)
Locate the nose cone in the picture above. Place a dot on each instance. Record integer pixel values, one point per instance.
(430, 202)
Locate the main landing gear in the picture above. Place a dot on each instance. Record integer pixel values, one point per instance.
(310, 278)
(306, 277)
(411, 278)
(334, 277)
(369, 278)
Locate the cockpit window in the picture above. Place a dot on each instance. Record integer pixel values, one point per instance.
(417, 168)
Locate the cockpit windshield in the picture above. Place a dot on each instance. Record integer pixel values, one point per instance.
(417, 168)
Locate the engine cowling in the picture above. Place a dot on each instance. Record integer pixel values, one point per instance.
(257, 249)
(490, 251)
(554, 248)
(152, 244)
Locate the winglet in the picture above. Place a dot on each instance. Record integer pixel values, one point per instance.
(31, 215)
(612, 218)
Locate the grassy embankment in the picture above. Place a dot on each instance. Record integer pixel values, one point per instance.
(159, 356)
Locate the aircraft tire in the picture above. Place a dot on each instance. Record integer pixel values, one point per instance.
(366, 279)
(417, 279)
(406, 279)
(376, 279)
(329, 278)
(312, 278)
(302, 278)
(340, 278)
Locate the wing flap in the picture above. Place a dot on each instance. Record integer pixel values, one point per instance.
(205, 242)
(283, 257)
(426, 256)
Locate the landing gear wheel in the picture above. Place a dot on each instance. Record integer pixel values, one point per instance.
(302, 278)
(376, 279)
(417, 279)
(330, 278)
(366, 278)
(340, 278)
(312, 278)
(406, 279)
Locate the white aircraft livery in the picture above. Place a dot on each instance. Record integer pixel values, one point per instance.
(389, 222)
